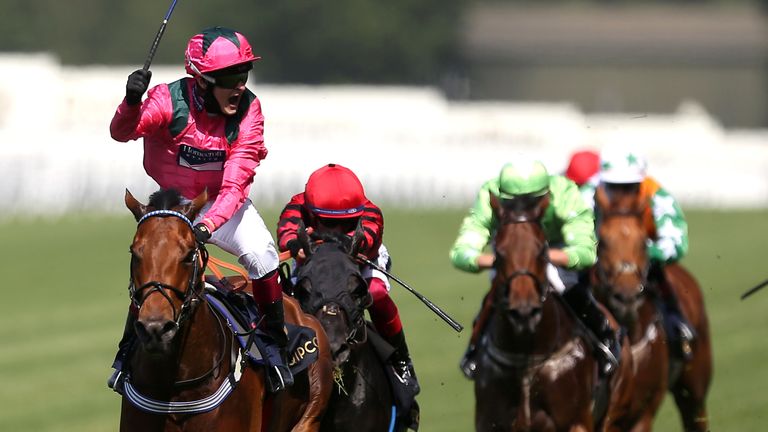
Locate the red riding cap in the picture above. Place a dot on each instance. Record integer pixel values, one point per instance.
(334, 191)
(583, 165)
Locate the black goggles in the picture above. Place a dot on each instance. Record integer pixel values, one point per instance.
(231, 81)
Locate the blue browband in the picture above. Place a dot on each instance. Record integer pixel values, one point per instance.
(332, 212)
(165, 213)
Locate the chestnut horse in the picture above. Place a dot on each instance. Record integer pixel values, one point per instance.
(330, 286)
(620, 277)
(536, 370)
(186, 373)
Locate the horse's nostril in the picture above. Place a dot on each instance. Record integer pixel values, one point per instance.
(156, 330)
(524, 312)
(169, 327)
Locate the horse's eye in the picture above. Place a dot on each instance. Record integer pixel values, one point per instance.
(190, 257)
(135, 258)
(357, 286)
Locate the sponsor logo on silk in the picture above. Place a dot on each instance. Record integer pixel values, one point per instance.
(201, 160)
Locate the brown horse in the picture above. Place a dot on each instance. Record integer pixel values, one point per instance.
(620, 278)
(536, 371)
(186, 374)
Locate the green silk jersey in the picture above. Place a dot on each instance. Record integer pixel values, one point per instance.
(567, 221)
(664, 221)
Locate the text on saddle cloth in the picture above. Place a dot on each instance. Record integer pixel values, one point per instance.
(240, 311)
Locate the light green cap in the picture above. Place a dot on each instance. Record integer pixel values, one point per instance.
(522, 178)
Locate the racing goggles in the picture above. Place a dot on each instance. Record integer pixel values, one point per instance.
(231, 81)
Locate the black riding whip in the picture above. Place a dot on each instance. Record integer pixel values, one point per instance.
(451, 322)
(158, 36)
(754, 289)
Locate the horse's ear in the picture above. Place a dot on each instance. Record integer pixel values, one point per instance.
(494, 201)
(601, 198)
(358, 239)
(138, 209)
(541, 207)
(193, 208)
(640, 202)
(304, 240)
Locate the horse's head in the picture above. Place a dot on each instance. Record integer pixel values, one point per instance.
(520, 283)
(330, 286)
(622, 263)
(166, 266)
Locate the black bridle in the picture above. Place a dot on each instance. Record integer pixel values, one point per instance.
(603, 275)
(542, 285)
(189, 297)
(344, 299)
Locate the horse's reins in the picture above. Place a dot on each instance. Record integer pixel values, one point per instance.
(625, 267)
(542, 287)
(189, 300)
(357, 320)
(516, 360)
(188, 297)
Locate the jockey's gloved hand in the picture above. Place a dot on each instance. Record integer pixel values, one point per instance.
(202, 233)
(138, 82)
(294, 247)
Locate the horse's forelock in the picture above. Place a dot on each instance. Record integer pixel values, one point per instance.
(165, 199)
(339, 240)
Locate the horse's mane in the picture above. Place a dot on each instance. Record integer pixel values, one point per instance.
(165, 199)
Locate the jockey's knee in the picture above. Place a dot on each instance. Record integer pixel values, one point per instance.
(378, 289)
(259, 264)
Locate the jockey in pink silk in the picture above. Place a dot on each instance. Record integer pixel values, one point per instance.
(206, 132)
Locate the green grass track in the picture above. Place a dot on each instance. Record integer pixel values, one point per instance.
(63, 303)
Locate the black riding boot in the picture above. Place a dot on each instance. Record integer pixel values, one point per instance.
(402, 364)
(468, 363)
(608, 348)
(278, 376)
(123, 349)
(678, 328)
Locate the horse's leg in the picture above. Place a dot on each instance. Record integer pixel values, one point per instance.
(690, 392)
(691, 387)
(645, 423)
(622, 387)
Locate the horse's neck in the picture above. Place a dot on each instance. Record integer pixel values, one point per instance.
(196, 352)
(361, 373)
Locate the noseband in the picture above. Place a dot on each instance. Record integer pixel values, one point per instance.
(191, 295)
(624, 267)
(344, 301)
(542, 286)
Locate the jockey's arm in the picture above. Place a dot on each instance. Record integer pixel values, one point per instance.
(558, 257)
(485, 261)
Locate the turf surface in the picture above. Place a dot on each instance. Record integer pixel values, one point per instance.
(64, 300)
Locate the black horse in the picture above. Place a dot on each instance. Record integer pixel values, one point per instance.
(329, 285)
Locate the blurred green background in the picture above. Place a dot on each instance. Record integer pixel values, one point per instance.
(604, 55)
(64, 294)
(64, 301)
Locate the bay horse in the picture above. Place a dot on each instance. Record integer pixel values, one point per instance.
(186, 373)
(620, 277)
(329, 285)
(536, 370)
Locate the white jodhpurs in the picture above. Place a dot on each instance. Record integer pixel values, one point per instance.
(246, 236)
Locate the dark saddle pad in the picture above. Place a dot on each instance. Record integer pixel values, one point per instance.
(241, 315)
(407, 407)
